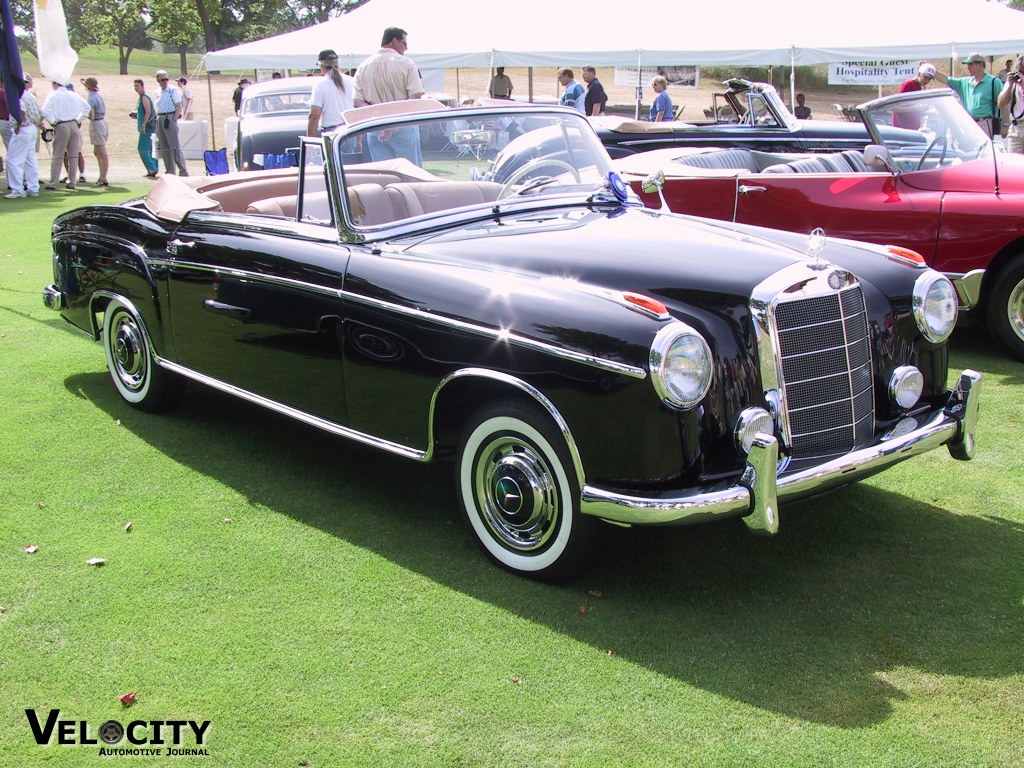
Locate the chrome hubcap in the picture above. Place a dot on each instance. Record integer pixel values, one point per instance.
(129, 354)
(1015, 309)
(516, 491)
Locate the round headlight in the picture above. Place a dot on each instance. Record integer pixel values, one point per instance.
(681, 365)
(935, 306)
(905, 386)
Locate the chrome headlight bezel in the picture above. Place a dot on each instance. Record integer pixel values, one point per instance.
(935, 306)
(674, 343)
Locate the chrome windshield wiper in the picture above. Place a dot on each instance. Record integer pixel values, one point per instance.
(537, 183)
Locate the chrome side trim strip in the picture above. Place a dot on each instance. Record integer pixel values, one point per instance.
(503, 336)
(294, 413)
(243, 274)
(422, 314)
(952, 425)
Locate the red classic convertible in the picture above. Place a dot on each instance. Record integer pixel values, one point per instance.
(954, 199)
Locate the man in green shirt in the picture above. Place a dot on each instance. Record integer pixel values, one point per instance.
(978, 92)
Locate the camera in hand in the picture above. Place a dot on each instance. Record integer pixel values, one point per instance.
(1014, 77)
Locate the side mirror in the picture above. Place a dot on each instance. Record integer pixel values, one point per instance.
(877, 156)
(653, 183)
(656, 183)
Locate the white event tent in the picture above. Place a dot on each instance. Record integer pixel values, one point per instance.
(538, 33)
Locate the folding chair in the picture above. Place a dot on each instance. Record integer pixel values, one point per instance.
(216, 161)
(287, 159)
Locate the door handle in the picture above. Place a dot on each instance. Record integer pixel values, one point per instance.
(746, 189)
(176, 246)
(230, 310)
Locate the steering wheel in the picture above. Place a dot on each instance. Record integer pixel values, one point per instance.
(938, 137)
(526, 170)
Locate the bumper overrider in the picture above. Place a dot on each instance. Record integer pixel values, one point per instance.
(756, 496)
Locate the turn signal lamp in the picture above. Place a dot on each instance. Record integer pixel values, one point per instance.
(905, 255)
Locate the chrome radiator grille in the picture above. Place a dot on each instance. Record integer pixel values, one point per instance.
(825, 359)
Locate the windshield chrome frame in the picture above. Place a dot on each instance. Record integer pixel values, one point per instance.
(942, 100)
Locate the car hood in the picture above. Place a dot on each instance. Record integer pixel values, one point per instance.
(676, 258)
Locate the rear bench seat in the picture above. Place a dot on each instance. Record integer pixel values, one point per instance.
(723, 159)
(372, 205)
(850, 161)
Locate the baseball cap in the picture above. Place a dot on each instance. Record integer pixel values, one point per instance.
(974, 58)
(928, 70)
(327, 54)
(161, 73)
(243, 80)
(182, 80)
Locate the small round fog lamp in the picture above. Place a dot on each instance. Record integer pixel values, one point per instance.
(905, 386)
(751, 422)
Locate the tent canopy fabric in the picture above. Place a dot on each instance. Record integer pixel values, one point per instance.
(537, 33)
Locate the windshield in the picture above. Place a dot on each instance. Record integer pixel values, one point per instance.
(760, 113)
(484, 156)
(276, 103)
(951, 135)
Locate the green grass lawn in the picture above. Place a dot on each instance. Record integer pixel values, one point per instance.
(322, 604)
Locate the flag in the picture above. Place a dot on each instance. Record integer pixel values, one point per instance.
(57, 60)
(10, 61)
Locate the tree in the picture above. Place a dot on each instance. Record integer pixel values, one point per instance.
(121, 23)
(176, 23)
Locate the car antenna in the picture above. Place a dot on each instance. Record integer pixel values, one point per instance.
(995, 162)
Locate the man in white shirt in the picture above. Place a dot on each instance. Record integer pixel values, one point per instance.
(168, 112)
(389, 76)
(65, 110)
(331, 96)
(22, 171)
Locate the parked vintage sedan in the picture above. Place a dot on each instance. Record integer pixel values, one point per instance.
(272, 117)
(579, 359)
(746, 114)
(956, 199)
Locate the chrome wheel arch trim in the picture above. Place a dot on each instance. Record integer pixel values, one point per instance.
(130, 305)
(529, 390)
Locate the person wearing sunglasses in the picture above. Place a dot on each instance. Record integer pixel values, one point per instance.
(168, 112)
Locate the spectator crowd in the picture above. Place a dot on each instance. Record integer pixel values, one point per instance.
(66, 121)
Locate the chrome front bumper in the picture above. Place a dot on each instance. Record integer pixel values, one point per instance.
(53, 298)
(757, 494)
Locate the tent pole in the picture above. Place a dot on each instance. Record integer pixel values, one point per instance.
(209, 91)
(529, 82)
(792, 77)
(639, 82)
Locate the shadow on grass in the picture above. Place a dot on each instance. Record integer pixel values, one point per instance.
(810, 624)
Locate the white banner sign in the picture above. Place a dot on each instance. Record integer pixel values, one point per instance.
(882, 72)
(678, 77)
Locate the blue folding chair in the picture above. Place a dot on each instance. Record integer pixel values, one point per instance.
(216, 161)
